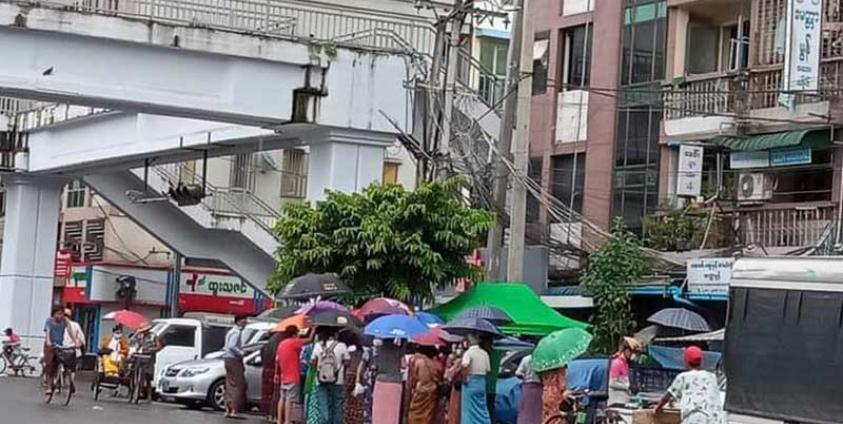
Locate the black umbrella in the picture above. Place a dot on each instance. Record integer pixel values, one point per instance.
(680, 318)
(465, 326)
(313, 285)
(336, 319)
(489, 313)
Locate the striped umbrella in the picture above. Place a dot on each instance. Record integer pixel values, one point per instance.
(680, 318)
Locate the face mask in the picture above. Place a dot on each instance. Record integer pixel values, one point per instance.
(118, 335)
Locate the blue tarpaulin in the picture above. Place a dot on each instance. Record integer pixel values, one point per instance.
(671, 357)
(507, 396)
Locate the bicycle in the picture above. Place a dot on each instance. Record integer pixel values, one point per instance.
(570, 411)
(19, 362)
(65, 374)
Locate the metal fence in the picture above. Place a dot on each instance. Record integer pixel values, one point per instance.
(308, 20)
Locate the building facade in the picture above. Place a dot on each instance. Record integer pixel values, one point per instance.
(624, 89)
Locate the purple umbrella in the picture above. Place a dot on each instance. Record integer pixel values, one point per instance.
(320, 306)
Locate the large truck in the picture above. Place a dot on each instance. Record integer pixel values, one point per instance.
(784, 341)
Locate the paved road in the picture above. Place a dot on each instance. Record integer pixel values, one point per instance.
(20, 402)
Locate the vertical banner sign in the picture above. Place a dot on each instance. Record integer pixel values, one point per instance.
(689, 177)
(803, 47)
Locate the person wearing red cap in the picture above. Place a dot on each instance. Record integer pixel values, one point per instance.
(695, 392)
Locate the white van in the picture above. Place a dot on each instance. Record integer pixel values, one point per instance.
(186, 339)
(784, 341)
(255, 332)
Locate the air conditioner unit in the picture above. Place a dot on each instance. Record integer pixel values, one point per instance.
(755, 187)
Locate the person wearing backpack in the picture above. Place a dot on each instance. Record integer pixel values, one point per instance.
(330, 357)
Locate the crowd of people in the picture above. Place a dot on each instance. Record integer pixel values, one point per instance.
(324, 376)
(327, 375)
(320, 377)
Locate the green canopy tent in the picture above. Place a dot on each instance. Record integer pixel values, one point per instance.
(529, 314)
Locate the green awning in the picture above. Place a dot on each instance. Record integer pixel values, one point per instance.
(752, 143)
(530, 315)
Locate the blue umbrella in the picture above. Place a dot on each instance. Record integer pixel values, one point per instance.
(489, 313)
(463, 326)
(396, 327)
(428, 318)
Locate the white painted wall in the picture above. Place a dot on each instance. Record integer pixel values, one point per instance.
(572, 116)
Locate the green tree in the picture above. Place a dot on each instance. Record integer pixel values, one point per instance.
(383, 241)
(610, 270)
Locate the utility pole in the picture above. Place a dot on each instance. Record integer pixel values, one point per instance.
(175, 288)
(494, 243)
(521, 150)
(457, 18)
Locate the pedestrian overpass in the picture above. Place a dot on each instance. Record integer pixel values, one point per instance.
(173, 81)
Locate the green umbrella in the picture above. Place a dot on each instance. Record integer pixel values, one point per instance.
(557, 348)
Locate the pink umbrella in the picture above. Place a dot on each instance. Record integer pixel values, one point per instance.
(130, 319)
(381, 306)
(312, 308)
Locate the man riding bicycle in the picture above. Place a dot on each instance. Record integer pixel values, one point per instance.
(54, 350)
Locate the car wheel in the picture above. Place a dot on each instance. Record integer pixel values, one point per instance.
(216, 395)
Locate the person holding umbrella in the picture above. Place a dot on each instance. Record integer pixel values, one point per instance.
(426, 374)
(330, 357)
(289, 373)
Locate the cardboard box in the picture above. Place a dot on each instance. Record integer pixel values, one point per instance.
(649, 416)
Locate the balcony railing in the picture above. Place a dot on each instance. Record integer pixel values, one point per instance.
(785, 226)
(702, 95)
(765, 85)
(287, 18)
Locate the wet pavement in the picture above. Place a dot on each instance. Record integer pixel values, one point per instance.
(21, 402)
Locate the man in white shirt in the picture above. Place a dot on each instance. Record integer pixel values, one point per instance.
(475, 364)
(73, 334)
(330, 357)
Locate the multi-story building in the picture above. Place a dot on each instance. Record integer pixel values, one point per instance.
(621, 86)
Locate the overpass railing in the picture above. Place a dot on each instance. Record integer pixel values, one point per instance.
(308, 20)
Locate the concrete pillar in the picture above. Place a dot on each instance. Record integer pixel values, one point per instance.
(29, 251)
(346, 160)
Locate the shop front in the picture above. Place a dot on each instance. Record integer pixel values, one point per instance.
(91, 290)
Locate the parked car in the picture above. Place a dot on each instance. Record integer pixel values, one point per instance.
(201, 383)
(256, 332)
(186, 339)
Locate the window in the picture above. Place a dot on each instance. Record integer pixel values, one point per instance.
(576, 48)
(541, 54)
(72, 238)
(567, 175)
(493, 55)
(93, 247)
(535, 174)
(703, 48)
(390, 173)
(75, 194)
(294, 174)
(243, 172)
(637, 163)
(643, 42)
(179, 335)
(187, 172)
(493, 60)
